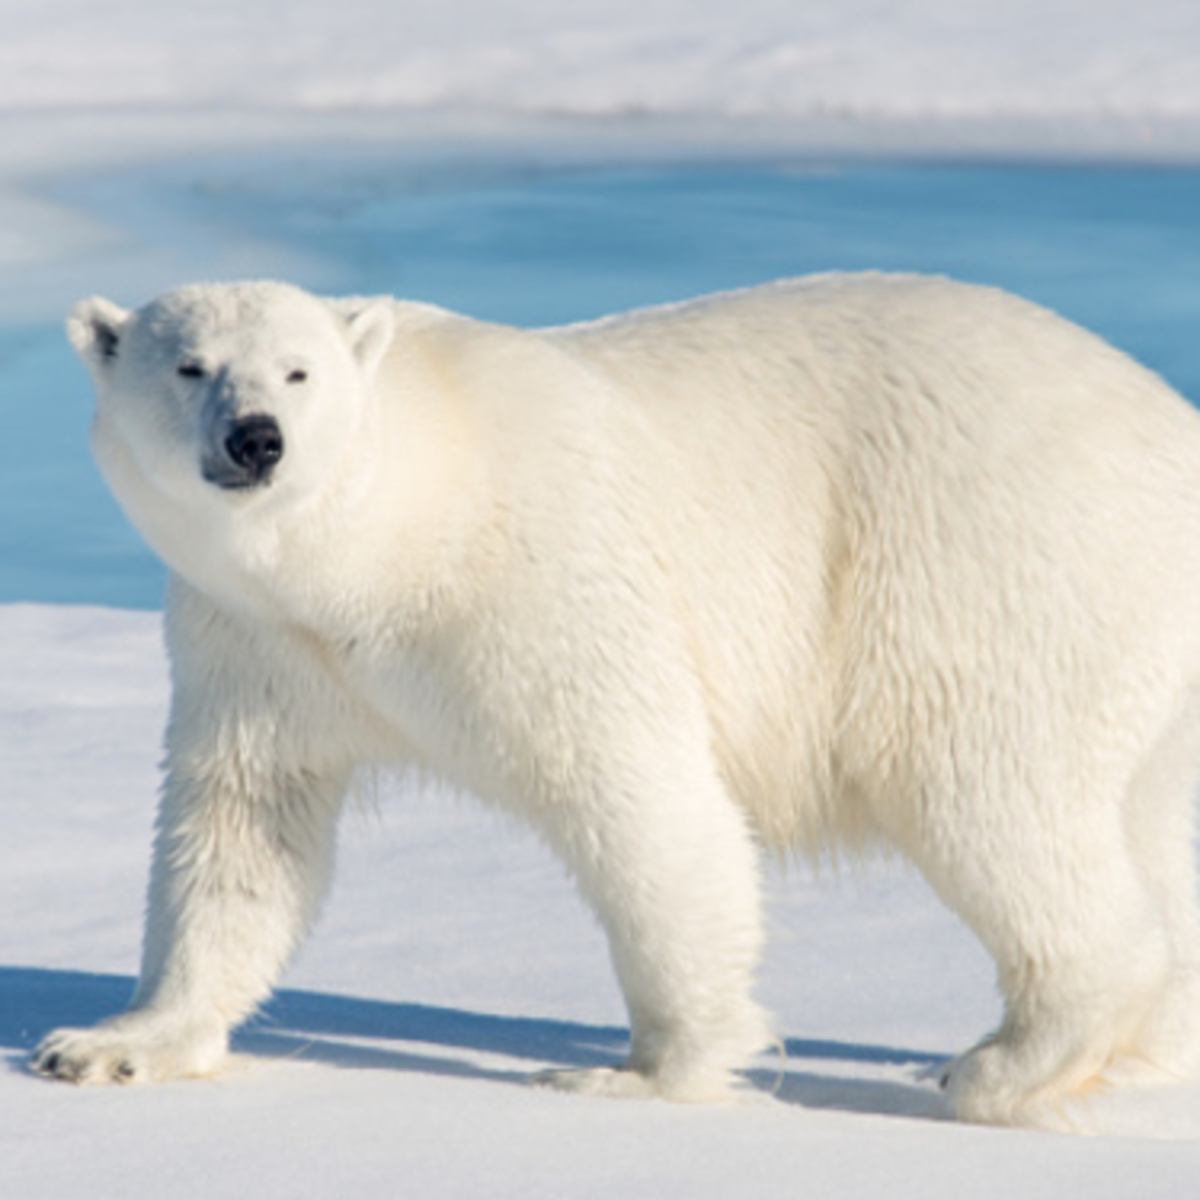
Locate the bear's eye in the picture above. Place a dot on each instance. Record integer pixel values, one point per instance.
(297, 376)
(190, 370)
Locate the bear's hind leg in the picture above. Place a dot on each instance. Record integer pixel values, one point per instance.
(1160, 825)
(1082, 953)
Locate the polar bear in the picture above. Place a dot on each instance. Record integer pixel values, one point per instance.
(832, 562)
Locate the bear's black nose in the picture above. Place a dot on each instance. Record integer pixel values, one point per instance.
(255, 444)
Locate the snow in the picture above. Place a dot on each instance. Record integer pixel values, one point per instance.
(762, 57)
(453, 959)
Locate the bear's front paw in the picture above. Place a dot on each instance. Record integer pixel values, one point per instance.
(620, 1082)
(127, 1050)
(628, 1083)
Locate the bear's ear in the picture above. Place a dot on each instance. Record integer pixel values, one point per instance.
(94, 329)
(371, 331)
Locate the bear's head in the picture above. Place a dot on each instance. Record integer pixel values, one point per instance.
(221, 403)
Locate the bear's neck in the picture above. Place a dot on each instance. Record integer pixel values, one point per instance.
(398, 543)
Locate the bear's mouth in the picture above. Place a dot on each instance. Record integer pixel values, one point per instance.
(228, 481)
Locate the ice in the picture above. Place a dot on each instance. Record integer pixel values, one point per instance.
(941, 58)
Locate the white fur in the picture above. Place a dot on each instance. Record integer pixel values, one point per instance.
(839, 560)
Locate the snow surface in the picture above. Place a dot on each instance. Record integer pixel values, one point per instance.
(454, 959)
(949, 58)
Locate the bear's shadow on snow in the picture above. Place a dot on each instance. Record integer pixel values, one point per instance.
(347, 1032)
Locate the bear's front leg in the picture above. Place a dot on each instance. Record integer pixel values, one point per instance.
(240, 866)
(670, 867)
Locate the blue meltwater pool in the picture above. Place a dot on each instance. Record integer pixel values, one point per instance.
(1116, 249)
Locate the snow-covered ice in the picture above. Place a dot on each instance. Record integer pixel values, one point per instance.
(452, 962)
(943, 58)
(454, 959)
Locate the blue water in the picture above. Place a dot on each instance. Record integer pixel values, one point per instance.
(1115, 249)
